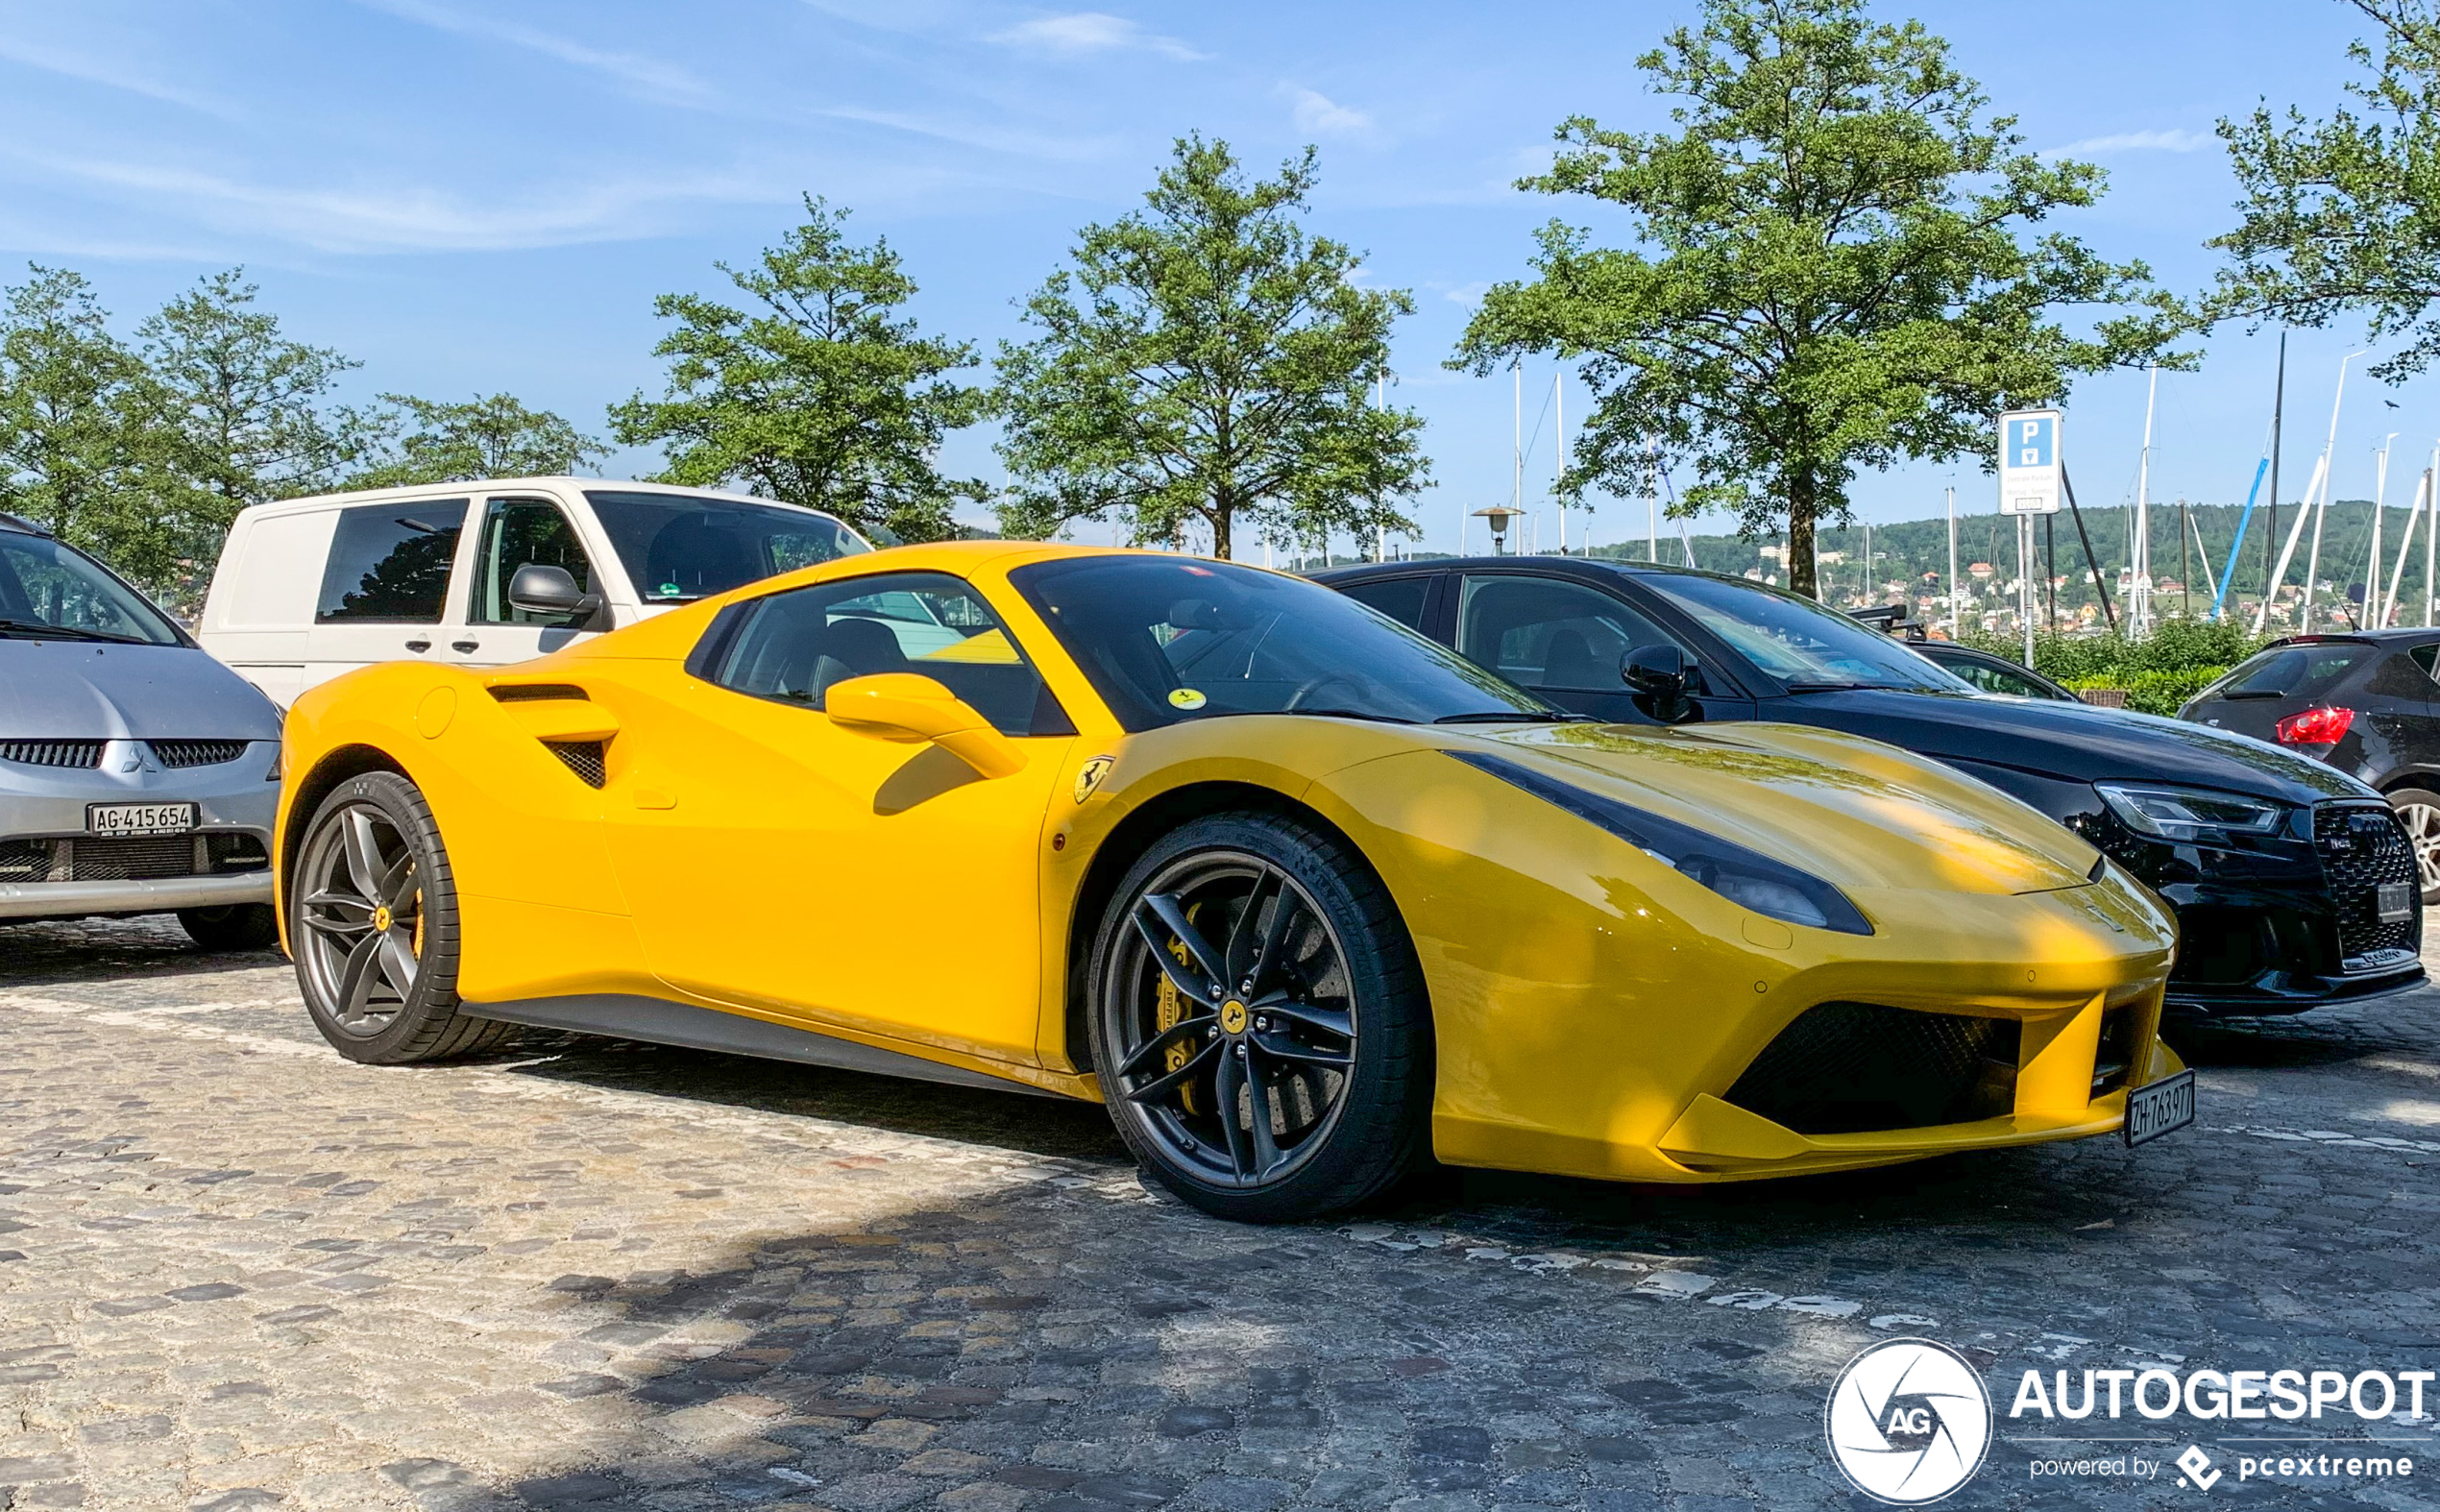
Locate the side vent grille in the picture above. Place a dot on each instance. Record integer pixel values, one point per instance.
(53, 753)
(537, 691)
(583, 758)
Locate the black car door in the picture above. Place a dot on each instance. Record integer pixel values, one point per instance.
(1565, 638)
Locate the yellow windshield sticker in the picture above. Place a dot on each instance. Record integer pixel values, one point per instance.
(1185, 698)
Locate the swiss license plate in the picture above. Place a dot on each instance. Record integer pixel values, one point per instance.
(139, 819)
(2396, 901)
(2162, 1108)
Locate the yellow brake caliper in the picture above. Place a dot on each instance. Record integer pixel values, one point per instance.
(1168, 1009)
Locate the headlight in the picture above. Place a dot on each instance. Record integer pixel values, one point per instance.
(2184, 815)
(1746, 878)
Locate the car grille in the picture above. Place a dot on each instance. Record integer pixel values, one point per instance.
(1846, 1068)
(583, 758)
(146, 858)
(2362, 847)
(196, 753)
(53, 753)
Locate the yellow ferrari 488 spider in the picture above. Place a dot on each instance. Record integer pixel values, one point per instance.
(1301, 897)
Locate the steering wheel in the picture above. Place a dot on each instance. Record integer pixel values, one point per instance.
(1313, 685)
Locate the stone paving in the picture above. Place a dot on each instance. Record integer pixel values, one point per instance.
(238, 1272)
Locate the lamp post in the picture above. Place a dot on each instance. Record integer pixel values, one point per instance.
(1497, 516)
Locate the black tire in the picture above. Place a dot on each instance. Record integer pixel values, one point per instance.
(2418, 809)
(232, 926)
(1335, 1036)
(373, 923)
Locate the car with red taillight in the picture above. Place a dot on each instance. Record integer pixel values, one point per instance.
(2366, 704)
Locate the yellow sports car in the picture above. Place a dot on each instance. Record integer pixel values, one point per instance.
(1301, 897)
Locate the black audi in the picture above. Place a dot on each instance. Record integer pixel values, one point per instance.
(2365, 703)
(2293, 881)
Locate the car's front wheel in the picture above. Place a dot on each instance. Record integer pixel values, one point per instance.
(1259, 1025)
(2419, 810)
(373, 922)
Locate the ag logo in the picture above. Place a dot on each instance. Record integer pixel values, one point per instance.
(1909, 1421)
(1090, 776)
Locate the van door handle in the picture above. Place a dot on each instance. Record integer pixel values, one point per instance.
(465, 645)
(419, 646)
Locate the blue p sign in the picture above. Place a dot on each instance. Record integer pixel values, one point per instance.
(2032, 441)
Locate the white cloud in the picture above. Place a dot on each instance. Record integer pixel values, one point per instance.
(641, 73)
(2176, 139)
(1083, 32)
(1469, 295)
(1317, 112)
(19, 50)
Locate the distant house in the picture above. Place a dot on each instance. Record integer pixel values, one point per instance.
(1980, 570)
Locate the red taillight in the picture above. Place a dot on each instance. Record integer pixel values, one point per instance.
(2315, 728)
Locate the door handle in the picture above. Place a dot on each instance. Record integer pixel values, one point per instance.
(465, 645)
(419, 646)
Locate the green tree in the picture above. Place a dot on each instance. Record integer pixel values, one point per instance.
(1206, 362)
(80, 450)
(819, 393)
(251, 409)
(2343, 215)
(486, 437)
(1835, 270)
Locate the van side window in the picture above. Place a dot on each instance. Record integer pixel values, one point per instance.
(792, 646)
(1402, 598)
(523, 532)
(389, 563)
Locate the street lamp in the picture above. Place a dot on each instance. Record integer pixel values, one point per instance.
(1497, 516)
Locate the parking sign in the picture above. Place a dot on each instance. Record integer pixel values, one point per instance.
(2029, 462)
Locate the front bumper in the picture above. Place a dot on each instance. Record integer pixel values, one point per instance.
(51, 867)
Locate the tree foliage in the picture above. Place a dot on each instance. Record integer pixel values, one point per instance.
(1205, 363)
(819, 392)
(2343, 215)
(1835, 270)
(486, 437)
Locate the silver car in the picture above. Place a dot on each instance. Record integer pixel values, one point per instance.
(137, 774)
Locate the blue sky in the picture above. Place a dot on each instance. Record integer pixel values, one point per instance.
(479, 195)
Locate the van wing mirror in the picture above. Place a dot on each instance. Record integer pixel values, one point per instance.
(538, 588)
(909, 709)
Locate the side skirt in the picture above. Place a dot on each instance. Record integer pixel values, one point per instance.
(624, 1015)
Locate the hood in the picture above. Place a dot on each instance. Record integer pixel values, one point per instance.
(74, 690)
(2069, 742)
(1851, 811)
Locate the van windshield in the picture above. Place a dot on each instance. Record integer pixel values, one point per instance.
(681, 547)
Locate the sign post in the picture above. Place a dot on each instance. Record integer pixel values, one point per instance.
(2029, 475)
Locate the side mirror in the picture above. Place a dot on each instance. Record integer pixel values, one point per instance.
(1661, 677)
(911, 710)
(540, 589)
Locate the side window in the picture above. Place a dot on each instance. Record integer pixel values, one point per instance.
(2425, 656)
(523, 532)
(1548, 633)
(790, 647)
(1402, 598)
(1997, 679)
(389, 563)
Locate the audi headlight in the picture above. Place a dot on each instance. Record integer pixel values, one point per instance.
(2184, 814)
(1746, 878)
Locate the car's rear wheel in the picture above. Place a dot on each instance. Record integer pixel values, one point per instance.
(231, 926)
(2419, 810)
(1259, 1024)
(373, 923)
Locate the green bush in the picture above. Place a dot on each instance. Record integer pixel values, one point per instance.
(2162, 693)
(2160, 671)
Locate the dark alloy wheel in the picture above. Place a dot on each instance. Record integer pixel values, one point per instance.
(1259, 1023)
(373, 923)
(2418, 809)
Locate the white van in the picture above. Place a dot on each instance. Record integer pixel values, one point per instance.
(309, 588)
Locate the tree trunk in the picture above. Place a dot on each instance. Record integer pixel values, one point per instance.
(1221, 519)
(1801, 505)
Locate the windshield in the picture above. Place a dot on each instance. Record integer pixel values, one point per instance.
(54, 591)
(677, 546)
(1798, 641)
(2290, 671)
(1171, 638)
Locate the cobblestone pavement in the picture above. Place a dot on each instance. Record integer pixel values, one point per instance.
(238, 1272)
